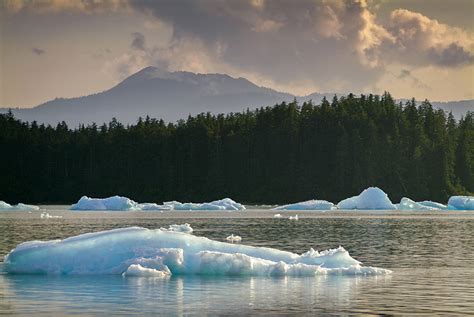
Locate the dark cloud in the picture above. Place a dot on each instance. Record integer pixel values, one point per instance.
(406, 74)
(138, 41)
(451, 56)
(37, 51)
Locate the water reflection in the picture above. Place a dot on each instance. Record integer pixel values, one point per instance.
(180, 295)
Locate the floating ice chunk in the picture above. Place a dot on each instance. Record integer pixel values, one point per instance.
(370, 198)
(116, 251)
(151, 207)
(115, 203)
(19, 207)
(308, 205)
(233, 238)
(45, 215)
(295, 217)
(185, 228)
(138, 270)
(277, 216)
(433, 204)
(461, 203)
(408, 204)
(222, 204)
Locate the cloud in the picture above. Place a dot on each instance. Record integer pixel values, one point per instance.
(47, 6)
(37, 51)
(295, 45)
(423, 41)
(138, 41)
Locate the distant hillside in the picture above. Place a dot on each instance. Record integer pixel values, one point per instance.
(173, 96)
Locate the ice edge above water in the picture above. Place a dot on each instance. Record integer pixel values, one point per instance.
(139, 251)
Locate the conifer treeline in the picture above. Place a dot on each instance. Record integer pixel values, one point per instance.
(278, 154)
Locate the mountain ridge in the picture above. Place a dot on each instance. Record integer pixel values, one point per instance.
(172, 96)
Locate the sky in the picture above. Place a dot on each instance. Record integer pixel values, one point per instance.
(60, 48)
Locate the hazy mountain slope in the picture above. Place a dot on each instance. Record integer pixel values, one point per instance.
(174, 96)
(170, 96)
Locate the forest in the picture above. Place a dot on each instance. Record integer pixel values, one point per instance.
(272, 155)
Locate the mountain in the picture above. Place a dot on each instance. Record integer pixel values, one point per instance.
(171, 96)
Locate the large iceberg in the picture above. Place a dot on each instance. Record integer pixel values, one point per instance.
(114, 203)
(222, 204)
(408, 204)
(19, 207)
(461, 203)
(370, 198)
(308, 205)
(141, 251)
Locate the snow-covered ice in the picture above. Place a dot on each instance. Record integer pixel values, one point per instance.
(234, 238)
(461, 203)
(221, 204)
(408, 204)
(19, 207)
(308, 205)
(370, 198)
(185, 228)
(140, 251)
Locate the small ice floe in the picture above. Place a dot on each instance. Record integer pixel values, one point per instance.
(221, 204)
(277, 216)
(321, 205)
(185, 228)
(295, 217)
(45, 215)
(19, 207)
(370, 198)
(234, 238)
(408, 204)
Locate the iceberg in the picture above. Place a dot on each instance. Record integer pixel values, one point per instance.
(461, 203)
(45, 215)
(19, 207)
(433, 204)
(233, 238)
(277, 216)
(119, 203)
(222, 204)
(152, 207)
(408, 204)
(154, 252)
(295, 217)
(186, 228)
(308, 205)
(370, 198)
(115, 203)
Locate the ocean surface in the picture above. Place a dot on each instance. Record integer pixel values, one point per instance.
(431, 255)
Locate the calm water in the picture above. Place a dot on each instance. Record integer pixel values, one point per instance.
(431, 255)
